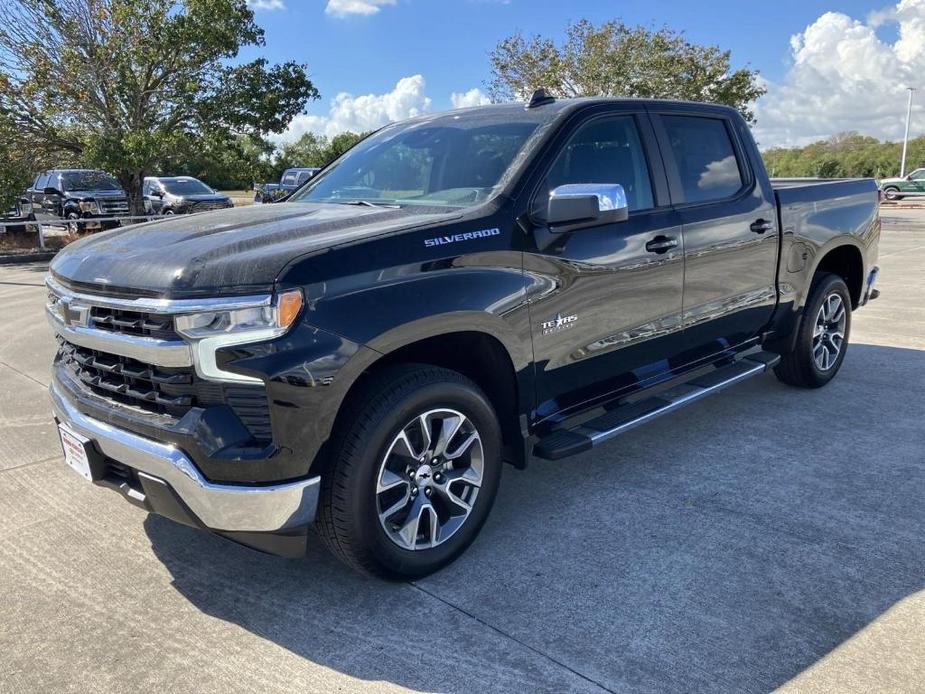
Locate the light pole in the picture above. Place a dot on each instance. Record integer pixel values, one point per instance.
(902, 166)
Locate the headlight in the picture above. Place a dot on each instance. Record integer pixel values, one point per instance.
(90, 206)
(211, 330)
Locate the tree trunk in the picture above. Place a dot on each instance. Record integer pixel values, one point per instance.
(133, 185)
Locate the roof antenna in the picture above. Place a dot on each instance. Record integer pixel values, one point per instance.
(540, 97)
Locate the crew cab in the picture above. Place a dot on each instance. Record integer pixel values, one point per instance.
(181, 195)
(290, 181)
(84, 198)
(506, 283)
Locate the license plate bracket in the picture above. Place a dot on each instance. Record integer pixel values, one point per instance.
(80, 454)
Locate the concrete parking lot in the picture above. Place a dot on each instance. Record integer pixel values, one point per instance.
(769, 537)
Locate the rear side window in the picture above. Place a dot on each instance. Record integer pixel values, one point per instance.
(705, 157)
(606, 150)
(41, 181)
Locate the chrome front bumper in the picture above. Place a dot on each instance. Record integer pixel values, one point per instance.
(221, 507)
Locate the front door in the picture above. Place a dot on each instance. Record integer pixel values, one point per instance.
(45, 207)
(605, 302)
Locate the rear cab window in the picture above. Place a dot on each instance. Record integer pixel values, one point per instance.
(708, 166)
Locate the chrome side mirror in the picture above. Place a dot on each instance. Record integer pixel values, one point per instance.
(580, 205)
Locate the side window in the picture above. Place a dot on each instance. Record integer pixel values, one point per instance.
(606, 150)
(147, 188)
(918, 175)
(40, 182)
(705, 157)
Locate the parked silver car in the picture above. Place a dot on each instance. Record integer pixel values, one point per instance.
(181, 195)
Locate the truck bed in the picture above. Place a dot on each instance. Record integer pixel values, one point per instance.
(841, 205)
(817, 213)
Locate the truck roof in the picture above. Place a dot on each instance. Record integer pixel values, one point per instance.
(550, 109)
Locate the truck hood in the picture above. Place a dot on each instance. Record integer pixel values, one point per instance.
(233, 251)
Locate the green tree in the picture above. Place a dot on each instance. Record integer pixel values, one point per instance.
(126, 84)
(614, 59)
(314, 150)
(844, 154)
(224, 161)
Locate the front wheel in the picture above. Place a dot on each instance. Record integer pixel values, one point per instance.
(73, 226)
(892, 194)
(822, 339)
(413, 475)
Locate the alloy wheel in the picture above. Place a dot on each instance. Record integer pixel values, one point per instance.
(829, 333)
(429, 479)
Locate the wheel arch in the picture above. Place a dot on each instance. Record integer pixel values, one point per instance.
(846, 261)
(480, 356)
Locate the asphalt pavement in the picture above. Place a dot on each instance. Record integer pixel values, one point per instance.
(767, 537)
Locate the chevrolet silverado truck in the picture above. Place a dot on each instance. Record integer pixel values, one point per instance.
(506, 283)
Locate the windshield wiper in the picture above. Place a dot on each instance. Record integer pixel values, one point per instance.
(368, 203)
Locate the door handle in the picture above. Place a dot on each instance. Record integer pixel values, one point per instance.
(759, 226)
(661, 244)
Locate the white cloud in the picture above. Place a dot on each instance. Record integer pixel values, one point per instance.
(844, 77)
(473, 97)
(267, 4)
(345, 8)
(366, 112)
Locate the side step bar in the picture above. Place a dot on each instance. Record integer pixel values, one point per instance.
(565, 442)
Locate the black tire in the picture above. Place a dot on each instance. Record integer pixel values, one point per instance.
(799, 367)
(348, 516)
(892, 193)
(74, 226)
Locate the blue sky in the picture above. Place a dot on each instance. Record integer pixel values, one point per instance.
(365, 47)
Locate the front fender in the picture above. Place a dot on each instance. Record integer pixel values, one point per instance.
(389, 308)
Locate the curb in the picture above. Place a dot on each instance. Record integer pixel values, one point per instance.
(22, 258)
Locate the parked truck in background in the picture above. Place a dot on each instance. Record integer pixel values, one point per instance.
(77, 197)
(503, 283)
(290, 181)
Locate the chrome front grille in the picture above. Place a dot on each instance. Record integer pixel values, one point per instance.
(160, 391)
(113, 206)
(128, 353)
(140, 323)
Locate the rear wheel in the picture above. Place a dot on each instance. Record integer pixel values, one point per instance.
(823, 336)
(413, 475)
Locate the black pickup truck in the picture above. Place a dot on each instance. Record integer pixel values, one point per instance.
(503, 283)
(77, 194)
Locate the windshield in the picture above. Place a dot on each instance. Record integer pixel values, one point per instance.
(451, 161)
(185, 186)
(88, 180)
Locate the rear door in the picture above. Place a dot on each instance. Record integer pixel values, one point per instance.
(605, 309)
(729, 228)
